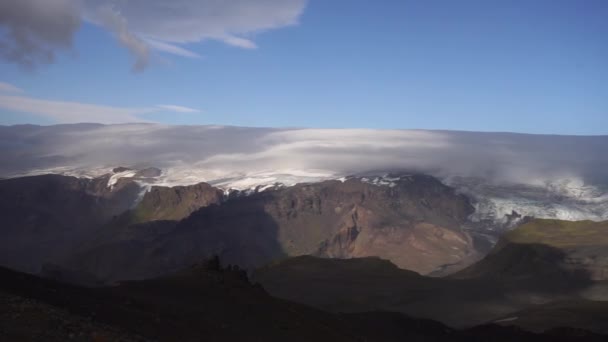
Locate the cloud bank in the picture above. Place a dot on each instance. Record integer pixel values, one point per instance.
(33, 31)
(191, 154)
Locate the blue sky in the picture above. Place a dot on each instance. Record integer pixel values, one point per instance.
(523, 66)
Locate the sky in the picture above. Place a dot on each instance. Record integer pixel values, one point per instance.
(518, 66)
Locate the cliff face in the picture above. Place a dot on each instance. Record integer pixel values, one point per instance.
(176, 203)
(415, 222)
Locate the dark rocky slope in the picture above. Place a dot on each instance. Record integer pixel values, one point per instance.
(209, 303)
(45, 217)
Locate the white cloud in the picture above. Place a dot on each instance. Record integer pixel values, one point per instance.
(178, 109)
(9, 88)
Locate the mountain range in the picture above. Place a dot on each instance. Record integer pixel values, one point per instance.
(337, 232)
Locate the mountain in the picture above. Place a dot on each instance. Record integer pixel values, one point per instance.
(349, 221)
(416, 215)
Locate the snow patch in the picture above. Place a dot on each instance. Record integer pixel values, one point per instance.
(115, 177)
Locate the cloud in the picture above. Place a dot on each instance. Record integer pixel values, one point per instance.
(191, 154)
(172, 49)
(178, 109)
(111, 18)
(31, 31)
(76, 112)
(540, 175)
(168, 26)
(239, 42)
(9, 88)
(192, 21)
(72, 112)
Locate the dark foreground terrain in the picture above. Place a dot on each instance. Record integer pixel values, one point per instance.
(209, 303)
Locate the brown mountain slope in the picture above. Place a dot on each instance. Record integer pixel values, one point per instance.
(415, 223)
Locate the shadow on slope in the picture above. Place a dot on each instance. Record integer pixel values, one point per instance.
(45, 217)
(507, 281)
(240, 231)
(207, 302)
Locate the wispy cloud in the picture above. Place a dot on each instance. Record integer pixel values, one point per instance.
(72, 112)
(167, 26)
(13, 99)
(37, 29)
(239, 42)
(9, 88)
(117, 24)
(172, 49)
(178, 109)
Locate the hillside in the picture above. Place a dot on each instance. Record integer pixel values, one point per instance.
(553, 249)
(518, 274)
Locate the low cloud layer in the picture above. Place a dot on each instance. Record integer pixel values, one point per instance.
(203, 153)
(33, 31)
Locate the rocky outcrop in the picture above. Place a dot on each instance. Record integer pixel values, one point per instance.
(175, 203)
(415, 222)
